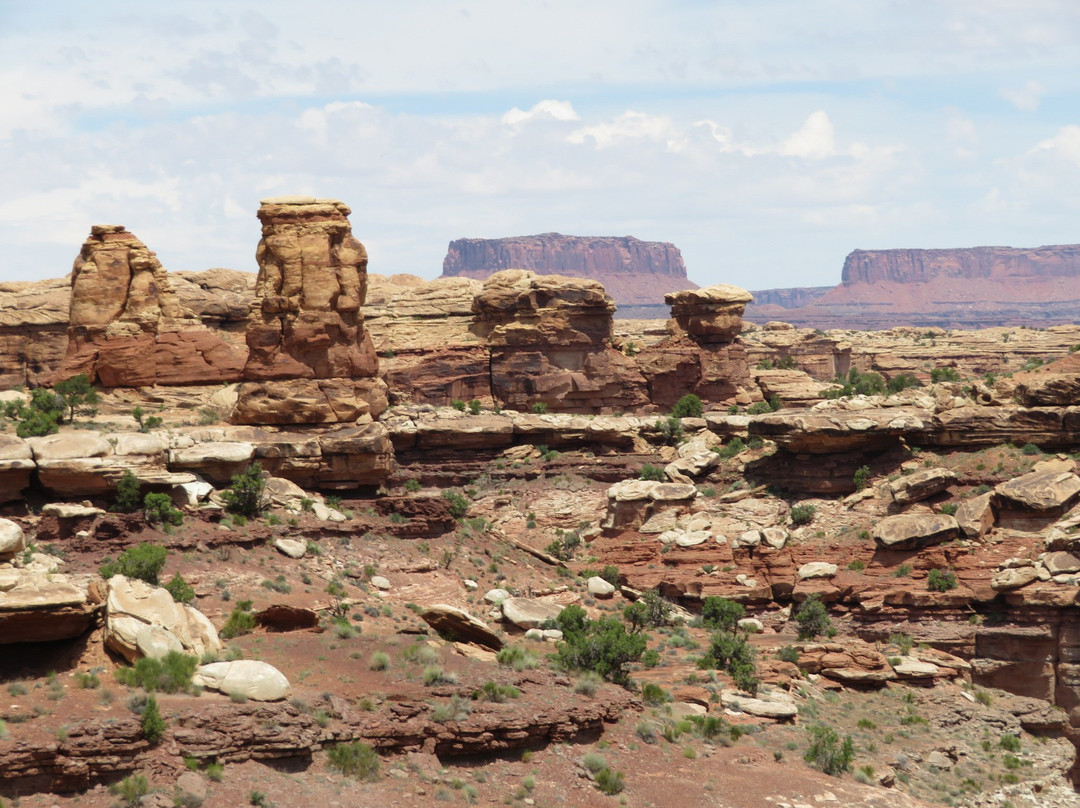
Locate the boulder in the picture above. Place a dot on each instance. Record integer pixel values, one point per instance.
(132, 606)
(775, 537)
(380, 582)
(817, 569)
(12, 540)
(216, 460)
(975, 516)
(1061, 563)
(461, 625)
(496, 596)
(599, 588)
(775, 704)
(921, 485)
(293, 548)
(911, 531)
(248, 678)
(751, 625)
(1014, 578)
(529, 613)
(1042, 491)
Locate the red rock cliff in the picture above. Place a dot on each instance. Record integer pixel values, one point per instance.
(996, 263)
(634, 272)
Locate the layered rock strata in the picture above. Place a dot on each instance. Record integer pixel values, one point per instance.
(310, 358)
(126, 327)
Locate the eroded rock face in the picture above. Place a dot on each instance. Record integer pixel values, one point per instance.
(548, 340)
(144, 620)
(712, 315)
(307, 323)
(36, 606)
(126, 327)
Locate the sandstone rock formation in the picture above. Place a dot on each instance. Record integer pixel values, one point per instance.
(126, 327)
(709, 316)
(310, 358)
(634, 272)
(143, 620)
(972, 287)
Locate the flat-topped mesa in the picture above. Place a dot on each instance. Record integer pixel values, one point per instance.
(126, 327)
(310, 358)
(634, 272)
(710, 316)
(548, 338)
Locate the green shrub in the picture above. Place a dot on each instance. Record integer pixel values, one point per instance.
(494, 692)
(159, 510)
(760, 408)
(77, 395)
(689, 406)
(721, 613)
(946, 374)
(355, 760)
(733, 447)
(610, 573)
(650, 610)
(902, 382)
(127, 493)
(950, 508)
(1010, 743)
(789, 653)
(862, 477)
(1030, 449)
(539, 408)
(902, 641)
(380, 661)
(131, 790)
(856, 384)
(458, 404)
(144, 561)
(170, 674)
(786, 362)
(652, 695)
(650, 659)
(609, 782)
(412, 485)
(459, 503)
(181, 590)
(654, 473)
(474, 407)
(516, 657)
(241, 621)
(670, 429)
(802, 514)
(245, 492)
(941, 581)
(813, 618)
(153, 725)
(827, 752)
(732, 653)
(602, 646)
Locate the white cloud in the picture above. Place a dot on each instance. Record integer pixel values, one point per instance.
(630, 125)
(1065, 145)
(542, 110)
(815, 140)
(1028, 97)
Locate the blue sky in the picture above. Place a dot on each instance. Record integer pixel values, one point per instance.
(766, 139)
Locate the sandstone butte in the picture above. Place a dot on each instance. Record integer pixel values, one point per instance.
(448, 465)
(974, 287)
(637, 274)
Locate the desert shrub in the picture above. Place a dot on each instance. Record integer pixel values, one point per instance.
(241, 621)
(610, 573)
(732, 653)
(650, 610)
(689, 406)
(355, 760)
(802, 514)
(941, 580)
(144, 561)
(459, 503)
(650, 659)
(789, 653)
(494, 692)
(380, 661)
(458, 404)
(827, 752)
(902, 382)
(153, 726)
(181, 590)
(170, 674)
(1010, 743)
(159, 510)
(862, 477)
(245, 492)
(77, 395)
(670, 429)
(602, 646)
(786, 362)
(539, 408)
(902, 641)
(609, 782)
(474, 407)
(760, 408)
(733, 447)
(517, 658)
(651, 472)
(950, 508)
(412, 485)
(946, 374)
(813, 618)
(856, 384)
(127, 493)
(652, 695)
(131, 790)
(721, 613)
(1030, 449)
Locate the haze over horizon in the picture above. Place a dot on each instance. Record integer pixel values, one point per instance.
(765, 140)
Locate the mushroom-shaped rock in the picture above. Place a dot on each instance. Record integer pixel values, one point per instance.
(599, 588)
(131, 606)
(710, 315)
(250, 678)
(461, 625)
(920, 485)
(1044, 491)
(529, 612)
(817, 569)
(911, 531)
(11, 538)
(1013, 578)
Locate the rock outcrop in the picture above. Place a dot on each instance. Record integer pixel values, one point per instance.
(634, 272)
(126, 327)
(310, 357)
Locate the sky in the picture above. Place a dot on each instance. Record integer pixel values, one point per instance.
(766, 139)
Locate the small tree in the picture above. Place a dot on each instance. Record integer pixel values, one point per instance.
(941, 580)
(181, 590)
(153, 725)
(245, 495)
(127, 493)
(689, 406)
(813, 618)
(159, 510)
(721, 613)
(143, 561)
(78, 395)
(827, 752)
(602, 646)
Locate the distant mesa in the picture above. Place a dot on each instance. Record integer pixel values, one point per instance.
(973, 287)
(635, 273)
